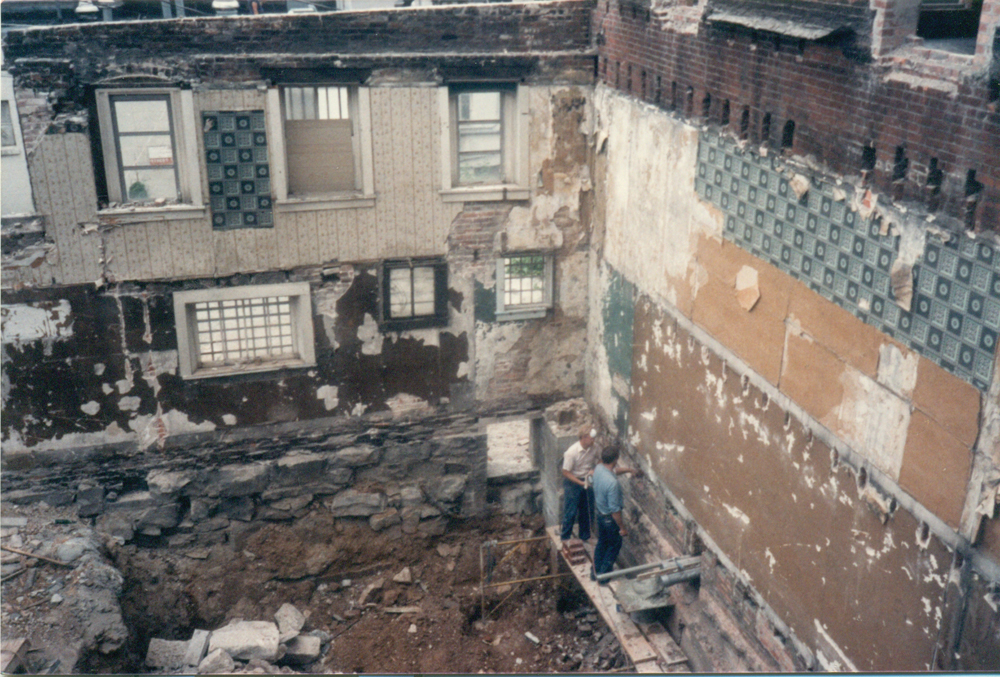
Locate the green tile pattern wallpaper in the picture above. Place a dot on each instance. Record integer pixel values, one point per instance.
(954, 317)
(239, 176)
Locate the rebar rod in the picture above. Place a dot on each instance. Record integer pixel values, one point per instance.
(525, 580)
(678, 562)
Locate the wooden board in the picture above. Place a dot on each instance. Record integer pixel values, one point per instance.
(641, 652)
(14, 656)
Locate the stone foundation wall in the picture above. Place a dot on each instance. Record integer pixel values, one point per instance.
(208, 488)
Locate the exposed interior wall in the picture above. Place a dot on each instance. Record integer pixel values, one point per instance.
(830, 466)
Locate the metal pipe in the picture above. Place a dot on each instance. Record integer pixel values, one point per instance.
(680, 576)
(678, 562)
(522, 540)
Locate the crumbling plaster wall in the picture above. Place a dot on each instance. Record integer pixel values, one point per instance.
(724, 399)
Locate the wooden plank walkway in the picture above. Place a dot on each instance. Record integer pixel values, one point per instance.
(656, 652)
(14, 657)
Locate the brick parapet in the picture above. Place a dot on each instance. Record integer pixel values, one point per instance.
(931, 104)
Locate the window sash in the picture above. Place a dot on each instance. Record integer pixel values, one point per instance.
(157, 177)
(524, 287)
(414, 294)
(479, 136)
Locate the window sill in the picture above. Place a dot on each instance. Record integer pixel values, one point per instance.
(11, 150)
(498, 193)
(320, 202)
(521, 314)
(146, 214)
(217, 372)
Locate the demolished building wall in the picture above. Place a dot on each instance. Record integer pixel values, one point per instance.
(115, 370)
(788, 358)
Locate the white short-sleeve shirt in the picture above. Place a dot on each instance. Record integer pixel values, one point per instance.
(579, 461)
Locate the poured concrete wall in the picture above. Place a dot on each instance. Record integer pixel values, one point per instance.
(831, 467)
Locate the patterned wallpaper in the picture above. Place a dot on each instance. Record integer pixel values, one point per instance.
(239, 177)
(954, 317)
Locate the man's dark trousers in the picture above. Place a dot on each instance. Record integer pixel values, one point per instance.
(577, 502)
(609, 543)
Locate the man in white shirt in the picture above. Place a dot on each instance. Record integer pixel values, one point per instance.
(578, 497)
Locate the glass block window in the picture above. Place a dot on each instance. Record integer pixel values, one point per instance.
(524, 285)
(239, 176)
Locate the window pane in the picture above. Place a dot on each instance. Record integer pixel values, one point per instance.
(254, 330)
(142, 116)
(423, 290)
(479, 168)
(400, 293)
(479, 136)
(8, 125)
(478, 106)
(150, 184)
(524, 280)
(146, 150)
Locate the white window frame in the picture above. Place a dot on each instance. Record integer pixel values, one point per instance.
(364, 173)
(515, 116)
(14, 148)
(185, 138)
(186, 325)
(525, 311)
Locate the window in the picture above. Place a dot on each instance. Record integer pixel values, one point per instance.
(244, 329)
(414, 294)
(148, 142)
(485, 142)
(319, 146)
(9, 139)
(524, 286)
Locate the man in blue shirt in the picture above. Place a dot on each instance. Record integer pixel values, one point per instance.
(608, 501)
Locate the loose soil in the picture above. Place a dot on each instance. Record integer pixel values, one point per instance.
(339, 573)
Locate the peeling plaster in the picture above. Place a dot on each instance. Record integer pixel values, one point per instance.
(328, 394)
(46, 321)
(370, 336)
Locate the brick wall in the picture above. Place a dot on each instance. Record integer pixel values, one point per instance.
(933, 106)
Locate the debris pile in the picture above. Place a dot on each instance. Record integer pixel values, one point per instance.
(242, 647)
(59, 592)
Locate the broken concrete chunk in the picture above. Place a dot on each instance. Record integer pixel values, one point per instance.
(164, 653)
(403, 610)
(303, 649)
(290, 621)
(404, 576)
(901, 277)
(197, 647)
(217, 662)
(247, 639)
(532, 638)
(747, 290)
(800, 185)
(865, 203)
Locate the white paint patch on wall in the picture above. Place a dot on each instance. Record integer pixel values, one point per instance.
(229, 419)
(653, 225)
(838, 660)
(90, 408)
(873, 419)
(370, 336)
(896, 371)
(737, 513)
(45, 321)
(405, 403)
(130, 403)
(328, 394)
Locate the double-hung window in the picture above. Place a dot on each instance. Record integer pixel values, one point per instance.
(485, 145)
(322, 150)
(524, 285)
(319, 140)
(244, 329)
(148, 141)
(414, 294)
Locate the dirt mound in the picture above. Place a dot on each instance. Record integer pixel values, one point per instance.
(350, 583)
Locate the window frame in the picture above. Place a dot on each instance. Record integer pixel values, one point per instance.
(300, 298)
(363, 195)
(15, 147)
(439, 318)
(525, 311)
(184, 140)
(515, 118)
